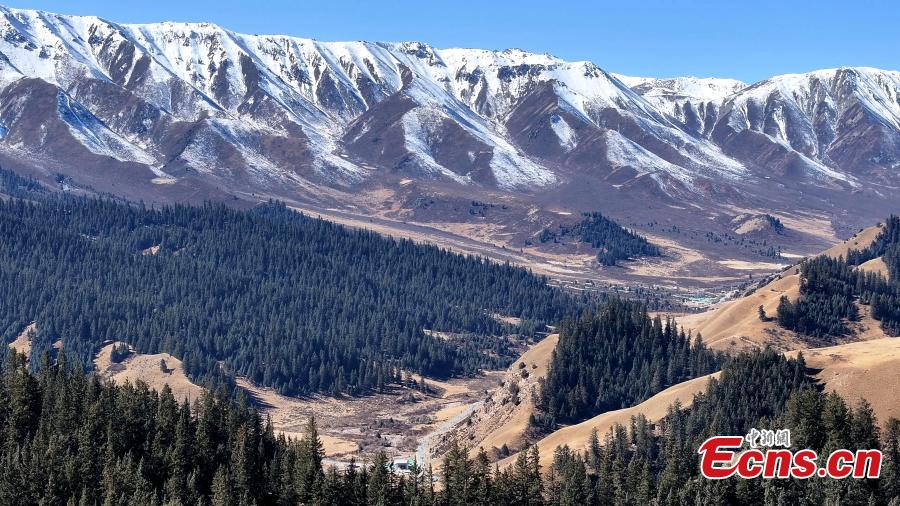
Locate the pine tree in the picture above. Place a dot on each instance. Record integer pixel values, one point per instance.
(890, 476)
(328, 293)
(308, 473)
(379, 483)
(222, 491)
(457, 475)
(481, 486)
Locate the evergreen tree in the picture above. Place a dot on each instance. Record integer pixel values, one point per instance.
(309, 474)
(379, 483)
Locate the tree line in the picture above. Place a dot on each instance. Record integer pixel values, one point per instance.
(68, 438)
(657, 463)
(642, 462)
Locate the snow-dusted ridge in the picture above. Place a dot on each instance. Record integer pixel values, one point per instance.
(280, 109)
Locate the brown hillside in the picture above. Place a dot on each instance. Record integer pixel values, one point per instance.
(855, 370)
(866, 370)
(876, 265)
(147, 368)
(577, 436)
(859, 240)
(22, 343)
(736, 325)
(503, 417)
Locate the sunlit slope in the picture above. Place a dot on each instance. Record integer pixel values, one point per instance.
(577, 436)
(736, 324)
(866, 369)
(503, 418)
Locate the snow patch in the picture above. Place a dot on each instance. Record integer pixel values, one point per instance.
(94, 135)
(623, 152)
(567, 138)
(418, 127)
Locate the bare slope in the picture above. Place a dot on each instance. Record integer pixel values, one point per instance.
(857, 370)
(149, 369)
(577, 436)
(736, 324)
(22, 343)
(862, 370)
(876, 265)
(859, 240)
(351, 426)
(502, 419)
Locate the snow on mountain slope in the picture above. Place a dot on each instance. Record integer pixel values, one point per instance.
(622, 152)
(695, 88)
(693, 102)
(568, 139)
(273, 112)
(841, 123)
(95, 136)
(492, 81)
(495, 82)
(874, 89)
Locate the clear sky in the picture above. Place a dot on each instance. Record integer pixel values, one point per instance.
(748, 40)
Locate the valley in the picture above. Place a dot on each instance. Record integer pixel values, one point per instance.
(401, 421)
(263, 270)
(690, 267)
(494, 410)
(473, 149)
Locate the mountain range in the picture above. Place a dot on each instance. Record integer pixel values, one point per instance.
(188, 111)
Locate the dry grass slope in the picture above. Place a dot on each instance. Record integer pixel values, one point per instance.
(863, 369)
(876, 265)
(867, 369)
(147, 368)
(22, 343)
(735, 324)
(503, 418)
(577, 436)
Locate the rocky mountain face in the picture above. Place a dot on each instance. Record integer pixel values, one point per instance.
(693, 102)
(839, 124)
(185, 110)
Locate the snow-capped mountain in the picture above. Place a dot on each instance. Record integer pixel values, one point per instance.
(181, 106)
(694, 102)
(836, 124)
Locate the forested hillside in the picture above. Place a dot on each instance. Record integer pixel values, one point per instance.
(615, 357)
(886, 245)
(830, 289)
(615, 242)
(68, 439)
(643, 464)
(292, 302)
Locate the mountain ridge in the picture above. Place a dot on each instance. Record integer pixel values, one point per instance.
(170, 111)
(239, 73)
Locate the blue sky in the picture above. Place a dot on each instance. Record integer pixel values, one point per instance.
(748, 40)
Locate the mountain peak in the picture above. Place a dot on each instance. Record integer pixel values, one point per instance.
(290, 113)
